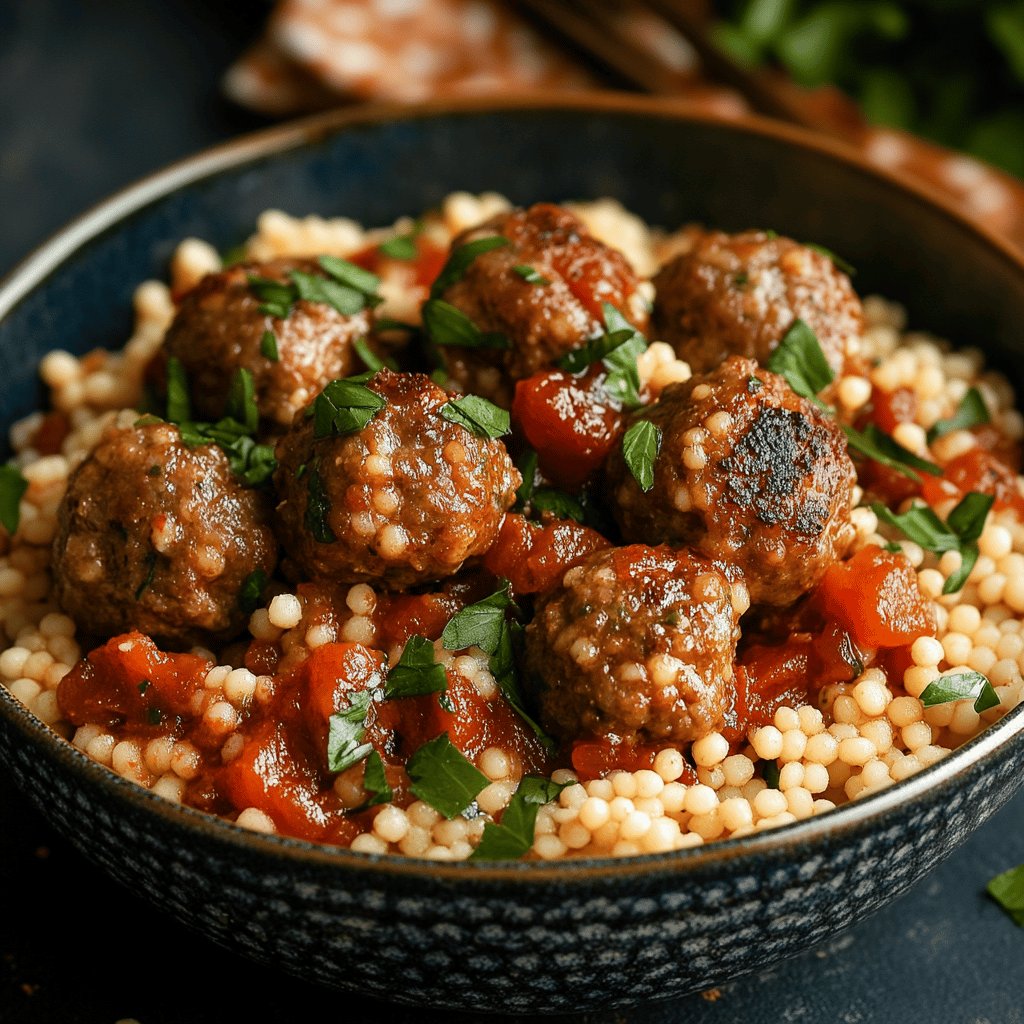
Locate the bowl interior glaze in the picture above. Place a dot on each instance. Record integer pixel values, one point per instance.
(278, 900)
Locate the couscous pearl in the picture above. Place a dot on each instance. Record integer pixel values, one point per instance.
(799, 802)
(769, 802)
(285, 611)
(916, 735)
(710, 750)
(673, 797)
(767, 742)
(391, 824)
(255, 819)
(549, 847)
(367, 843)
(791, 775)
(707, 826)
(904, 711)
(594, 813)
(700, 799)
(620, 808)
(856, 750)
(669, 763)
(786, 719)
(738, 770)
(815, 778)
(736, 814)
(821, 749)
(794, 743)
(878, 732)
(624, 784)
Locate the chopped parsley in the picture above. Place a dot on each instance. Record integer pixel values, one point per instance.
(459, 260)
(479, 625)
(401, 247)
(513, 837)
(640, 447)
(874, 443)
(154, 716)
(618, 349)
(529, 274)
(276, 297)
(478, 416)
(965, 685)
(558, 503)
(971, 412)
(268, 347)
(1007, 890)
(346, 731)
(347, 288)
(417, 672)
(144, 685)
(147, 580)
(318, 506)
(344, 407)
(447, 326)
(527, 466)
(960, 532)
(252, 588)
(837, 261)
(502, 665)
(375, 781)
(352, 276)
(442, 777)
(179, 406)
(800, 359)
(12, 489)
(371, 360)
(241, 403)
(770, 773)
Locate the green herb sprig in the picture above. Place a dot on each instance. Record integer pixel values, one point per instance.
(478, 416)
(971, 412)
(13, 486)
(418, 671)
(640, 446)
(443, 777)
(966, 685)
(513, 837)
(346, 731)
(1007, 889)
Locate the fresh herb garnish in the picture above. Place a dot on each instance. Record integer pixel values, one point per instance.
(841, 264)
(874, 443)
(375, 781)
(478, 416)
(417, 672)
(328, 292)
(479, 625)
(960, 532)
(442, 777)
(347, 288)
(179, 407)
(276, 297)
(147, 580)
(1007, 890)
(252, 588)
(154, 716)
(343, 407)
(459, 260)
(401, 247)
(346, 730)
(770, 773)
(352, 276)
(268, 347)
(558, 503)
(502, 665)
(12, 489)
(527, 466)
(529, 274)
(618, 349)
(252, 463)
(448, 326)
(241, 404)
(971, 412)
(800, 359)
(318, 506)
(513, 837)
(144, 685)
(640, 447)
(370, 359)
(966, 685)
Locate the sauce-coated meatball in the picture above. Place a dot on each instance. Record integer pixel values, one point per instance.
(159, 537)
(748, 472)
(638, 642)
(541, 321)
(219, 329)
(406, 499)
(740, 294)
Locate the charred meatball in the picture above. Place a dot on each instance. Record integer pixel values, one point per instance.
(740, 294)
(159, 537)
(542, 293)
(219, 329)
(749, 473)
(404, 500)
(639, 643)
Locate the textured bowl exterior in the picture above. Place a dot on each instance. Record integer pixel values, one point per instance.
(517, 937)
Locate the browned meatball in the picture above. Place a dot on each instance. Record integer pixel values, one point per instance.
(749, 473)
(160, 538)
(639, 643)
(740, 294)
(542, 321)
(219, 329)
(406, 499)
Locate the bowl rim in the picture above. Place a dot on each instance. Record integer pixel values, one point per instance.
(279, 139)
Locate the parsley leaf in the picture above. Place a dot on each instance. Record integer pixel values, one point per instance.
(640, 447)
(276, 297)
(527, 466)
(841, 264)
(252, 588)
(971, 412)
(502, 665)
(345, 732)
(318, 506)
(446, 325)
(960, 532)
(343, 407)
(442, 777)
(513, 837)
(417, 671)
(1007, 890)
(352, 276)
(328, 292)
(370, 359)
(478, 416)
(268, 347)
(179, 407)
(401, 247)
(558, 503)
(770, 771)
(459, 260)
(241, 404)
(12, 489)
(530, 274)
(618, 349)
(375, 781)
(147, 580)
(800, 359)
(874, 443)
(479, 625)
(966, 685)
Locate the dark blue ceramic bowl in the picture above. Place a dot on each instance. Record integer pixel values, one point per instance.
(523, 936)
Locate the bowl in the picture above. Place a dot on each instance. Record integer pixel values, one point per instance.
(517, 937)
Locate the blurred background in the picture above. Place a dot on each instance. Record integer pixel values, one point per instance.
(96, 93)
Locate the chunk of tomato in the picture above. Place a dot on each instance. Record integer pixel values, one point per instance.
(976, 470)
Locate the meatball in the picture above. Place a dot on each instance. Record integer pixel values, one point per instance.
(159, 537)
(543, 319)
(740, 294)
(749, 473)
(638, 642)
(219, 329)
(404, 500)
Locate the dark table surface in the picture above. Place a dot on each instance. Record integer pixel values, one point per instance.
(93, 95)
